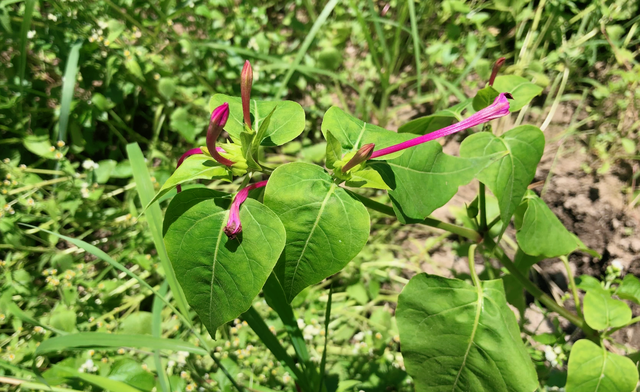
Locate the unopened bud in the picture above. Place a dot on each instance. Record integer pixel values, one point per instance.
(496, 68)
(218, 120)
(363, 154)
(246, 80)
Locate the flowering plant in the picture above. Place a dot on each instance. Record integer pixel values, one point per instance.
(301, 223)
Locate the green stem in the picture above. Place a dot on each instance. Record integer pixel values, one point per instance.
(483, 208)
(537, 292)
(472, 266)
(385, 209)
(572, 284)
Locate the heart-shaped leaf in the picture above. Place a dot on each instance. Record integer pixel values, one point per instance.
(484, 97)
(522, 90)
(456, 337)
(326, 228)
(220, 277)
(630, 289)
(435, 121)
(509, 176)
(424, 178)
(602, 312)
(353, 133)
(540, 232)
(195, 167)
(594, 369)
(285, 124)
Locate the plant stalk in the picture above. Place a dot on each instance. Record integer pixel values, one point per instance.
(483, 208)
(572, 284)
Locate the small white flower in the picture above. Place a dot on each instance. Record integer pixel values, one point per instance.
(617, 265)
(358, 337)
(90, 165)
(52, 17)
(301, 323)
(550, 355)
(31, 34)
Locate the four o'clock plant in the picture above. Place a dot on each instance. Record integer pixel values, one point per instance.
(292, 226)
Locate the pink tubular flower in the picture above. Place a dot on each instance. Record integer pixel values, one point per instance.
(193, 151)
(246, 80)
(234, 227)
(499, 108)
(218, 120)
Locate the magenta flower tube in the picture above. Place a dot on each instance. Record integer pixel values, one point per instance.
(499, 108)
(234, 226)
(218, 120)
(193, 151)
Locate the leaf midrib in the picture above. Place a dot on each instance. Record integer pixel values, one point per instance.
(313, 228)
(476, 322)
(213, 268)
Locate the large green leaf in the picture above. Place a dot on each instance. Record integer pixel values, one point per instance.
(602, 312)
(285, 124)
(220, 276)
(540, 232)
(435, 121)
(522, 90)
(353, 133)
(456, 337)
(132, 373)
(424, 178)
(326, 228)
(509, 176)
(195, 167)
(593, 369)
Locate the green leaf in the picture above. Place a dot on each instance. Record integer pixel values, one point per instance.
(63, 319)
(424, 178)
(435, 121)
(602, 312)
(99, 381)
(367, 178)
(456, 337)
(334, 150)
(484, 98)
(138, 323)
(509, 176)
(134, 68)
(522, 90)
(220, 276)
(262, 131)
(285, 124)
(39, 145)
(353, 133)
(325, 227)
(180, 122)
(593, 369)
(195, 167)
(68, 87)
(540, 232)
(167, 87)
(629, 289)
(101, 102)
(115, 341)
(587, 282)
(131, 372)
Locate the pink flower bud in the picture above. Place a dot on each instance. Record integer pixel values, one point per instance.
(234, 226)
(246, 80)
(362, 155)
(499, 108)
(496, 68)
(218, 120)
(184, 156)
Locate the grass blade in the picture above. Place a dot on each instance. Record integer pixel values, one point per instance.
(105, 383)
(156, 331)
(33, 385)
(380, 34)
(68, 86)
(101, 340)
(416, 42)
(327, 318)
(305, 45)
(24, 29)
(154, 219)
(275, 297)
(273, 344)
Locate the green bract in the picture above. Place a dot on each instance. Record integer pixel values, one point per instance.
(456, 337)
(326, 228)
(220, 276)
